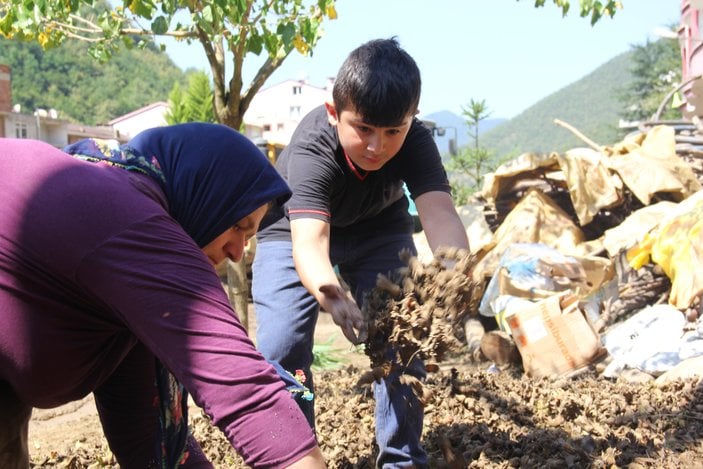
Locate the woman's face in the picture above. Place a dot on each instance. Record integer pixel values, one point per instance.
(231, 243)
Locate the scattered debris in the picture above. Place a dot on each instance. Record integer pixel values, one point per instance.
(417, 311)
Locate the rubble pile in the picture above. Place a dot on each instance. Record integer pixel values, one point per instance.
(689, 141)
(636, 290)
(589, 226)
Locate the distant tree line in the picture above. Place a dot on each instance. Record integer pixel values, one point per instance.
(82, 89)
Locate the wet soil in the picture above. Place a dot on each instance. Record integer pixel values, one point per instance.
(476, 415)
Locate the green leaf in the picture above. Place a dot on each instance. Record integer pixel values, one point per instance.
(241, 5)
(255, 44)
(325, 356)
(141, 8)
(207, 14)
(159, 25)
(287, 32)
(169, 6)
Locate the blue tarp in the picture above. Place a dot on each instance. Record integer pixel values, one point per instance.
(411, 207)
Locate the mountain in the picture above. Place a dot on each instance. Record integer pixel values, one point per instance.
(590, 105)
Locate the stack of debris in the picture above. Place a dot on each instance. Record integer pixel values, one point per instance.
(566, 248)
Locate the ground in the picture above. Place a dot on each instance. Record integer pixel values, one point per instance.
(475, 416)
(70, 436)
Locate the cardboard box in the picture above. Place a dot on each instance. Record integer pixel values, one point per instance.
(554, 337)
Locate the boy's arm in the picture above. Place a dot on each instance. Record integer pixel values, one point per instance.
(439, 219)
(311, 241)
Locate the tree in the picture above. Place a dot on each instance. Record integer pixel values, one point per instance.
(472, 161)
(656, 72)
(595, 8)
(195, 105)
(176, 106)
(198, 100)
(273, 28)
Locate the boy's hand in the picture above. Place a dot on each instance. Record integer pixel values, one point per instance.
(345, 312)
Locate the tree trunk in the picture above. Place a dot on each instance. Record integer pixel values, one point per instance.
(238, 289)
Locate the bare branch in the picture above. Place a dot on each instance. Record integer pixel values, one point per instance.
(580, 135)
(81, 33)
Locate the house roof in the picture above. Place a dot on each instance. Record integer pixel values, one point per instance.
(142, 110)
(289, 82)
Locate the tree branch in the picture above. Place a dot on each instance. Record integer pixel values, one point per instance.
(262, 75)
(90, 28)
(588, 141)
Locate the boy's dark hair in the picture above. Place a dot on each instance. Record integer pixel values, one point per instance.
(380, 81)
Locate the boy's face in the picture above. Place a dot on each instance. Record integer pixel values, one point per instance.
(367, 146)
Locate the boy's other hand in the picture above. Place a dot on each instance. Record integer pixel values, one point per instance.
(345, 312)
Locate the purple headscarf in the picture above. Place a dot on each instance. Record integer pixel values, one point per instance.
(212, 175)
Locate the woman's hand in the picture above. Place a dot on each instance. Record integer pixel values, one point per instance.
(345, 312)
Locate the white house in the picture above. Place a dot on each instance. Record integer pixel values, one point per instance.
(272, 116)
(276, 110)
(129, 125)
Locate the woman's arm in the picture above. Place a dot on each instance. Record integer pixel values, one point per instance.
(159, 286)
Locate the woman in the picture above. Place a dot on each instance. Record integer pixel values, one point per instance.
(107, 285)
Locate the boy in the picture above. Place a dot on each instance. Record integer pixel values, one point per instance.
(346, 164)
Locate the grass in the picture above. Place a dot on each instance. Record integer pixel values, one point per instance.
(326, 356)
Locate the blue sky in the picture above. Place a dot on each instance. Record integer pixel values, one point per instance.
(505, 52)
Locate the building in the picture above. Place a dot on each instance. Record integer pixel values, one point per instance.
(690, 35)
(41, 124)
(270, 120)
(275, 111)
(129, 125)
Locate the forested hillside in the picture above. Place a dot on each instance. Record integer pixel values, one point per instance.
(81, 88)
(592, 105)
(87, 91)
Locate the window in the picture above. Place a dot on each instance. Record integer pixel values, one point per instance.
(295, 111)
(20, 130)
(297, 89)
(267, 127)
